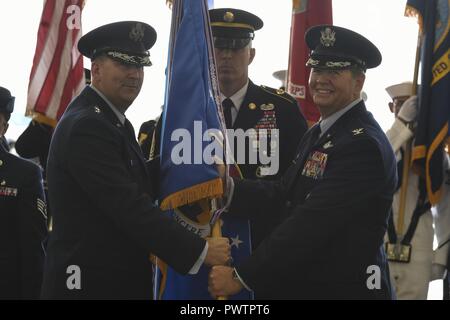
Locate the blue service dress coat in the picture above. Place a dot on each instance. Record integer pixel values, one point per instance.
(23, 227)
(105, 221)
(335, 198)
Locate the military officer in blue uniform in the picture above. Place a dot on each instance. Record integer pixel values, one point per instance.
(105, 221)
(23, 215)
(336, 196)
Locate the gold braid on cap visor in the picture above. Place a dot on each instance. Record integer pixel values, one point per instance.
(130, 59)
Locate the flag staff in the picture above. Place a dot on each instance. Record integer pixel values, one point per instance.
(407, 154)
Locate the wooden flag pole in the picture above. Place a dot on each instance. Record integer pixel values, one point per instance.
(407, 155)
(216, 232)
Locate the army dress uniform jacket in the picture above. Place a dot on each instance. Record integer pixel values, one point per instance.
(23, 227)
(336, 198)
(105, 222)
(267, 108)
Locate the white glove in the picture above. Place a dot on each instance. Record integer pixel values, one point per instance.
(408, 111)
(438, 271)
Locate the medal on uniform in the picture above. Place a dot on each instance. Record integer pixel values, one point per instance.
(315, 165)
(8, 192)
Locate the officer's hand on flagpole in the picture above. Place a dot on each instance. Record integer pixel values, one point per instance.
(219, 251)
(222, 283)
(409, 110)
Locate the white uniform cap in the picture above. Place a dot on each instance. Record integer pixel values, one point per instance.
(404, 89)
(280, 75)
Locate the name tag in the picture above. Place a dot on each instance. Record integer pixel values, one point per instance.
(315, 165)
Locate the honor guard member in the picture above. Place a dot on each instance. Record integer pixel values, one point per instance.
(412, 262)
(23, 219)
(336, 196)
(105, 221)
(248, 106)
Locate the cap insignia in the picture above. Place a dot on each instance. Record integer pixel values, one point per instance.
(137, 33)
(328, 37)
(228, 16)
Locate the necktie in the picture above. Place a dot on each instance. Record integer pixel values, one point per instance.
(312, 136)
(227, 104)
(129, 129)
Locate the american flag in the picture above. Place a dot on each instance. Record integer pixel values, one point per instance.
(57, 74)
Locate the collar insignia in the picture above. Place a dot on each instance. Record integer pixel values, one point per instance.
(358, 131)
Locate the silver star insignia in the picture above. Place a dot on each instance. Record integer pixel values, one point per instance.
(97, 109)
(235, 241)
(358, 131)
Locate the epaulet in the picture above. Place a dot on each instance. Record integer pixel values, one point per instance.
(281, 93)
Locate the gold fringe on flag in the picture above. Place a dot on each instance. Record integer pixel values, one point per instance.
(210, 189)
(39, 117)
(413, 12)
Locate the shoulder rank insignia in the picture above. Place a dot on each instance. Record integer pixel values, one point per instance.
(328, 145)
(97, 109)
(358, 131)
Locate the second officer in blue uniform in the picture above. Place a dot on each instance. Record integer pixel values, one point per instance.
(336, 197)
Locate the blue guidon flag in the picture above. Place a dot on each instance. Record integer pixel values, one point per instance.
(434, 95)
(191, 134)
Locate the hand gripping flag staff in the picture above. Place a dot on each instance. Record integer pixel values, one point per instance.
(191, 141)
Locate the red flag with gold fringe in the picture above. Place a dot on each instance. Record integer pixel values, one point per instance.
(305, 14)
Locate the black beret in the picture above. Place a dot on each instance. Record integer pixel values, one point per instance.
(339, 48)
(125, 41)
